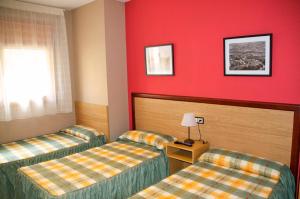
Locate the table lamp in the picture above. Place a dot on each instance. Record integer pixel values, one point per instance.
(188, 120)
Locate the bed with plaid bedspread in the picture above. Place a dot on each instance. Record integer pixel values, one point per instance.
(34, 150)
(115, 170)
(221, 176)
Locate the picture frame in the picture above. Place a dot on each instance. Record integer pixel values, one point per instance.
(249, 55)
(159, 60)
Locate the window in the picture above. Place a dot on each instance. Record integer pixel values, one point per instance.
(27, 76)
(34, 65)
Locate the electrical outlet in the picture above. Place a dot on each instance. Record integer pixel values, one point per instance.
(199, 120)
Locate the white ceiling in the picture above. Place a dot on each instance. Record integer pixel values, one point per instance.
(65, 4)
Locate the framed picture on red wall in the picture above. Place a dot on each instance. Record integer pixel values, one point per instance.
(159, 60)
(248, 55)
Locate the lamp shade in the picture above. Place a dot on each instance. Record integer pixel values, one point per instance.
(188, 120)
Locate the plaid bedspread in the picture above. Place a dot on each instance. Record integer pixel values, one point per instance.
(38, 145)
(84, 169)
(206, 180)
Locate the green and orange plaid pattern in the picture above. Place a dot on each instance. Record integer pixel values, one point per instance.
(31, 147)
(210, 181)
(242, 161)
(83, 169)
(149, 138)
(83, 132)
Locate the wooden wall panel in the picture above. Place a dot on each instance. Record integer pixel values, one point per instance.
(93, 115)
(264, 132)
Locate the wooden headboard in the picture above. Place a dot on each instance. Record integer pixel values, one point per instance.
(269, 130)
(93, 115)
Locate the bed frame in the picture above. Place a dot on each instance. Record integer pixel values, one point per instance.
(93, 115)
(270, 130)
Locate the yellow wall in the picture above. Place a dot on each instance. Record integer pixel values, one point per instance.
(89, 53)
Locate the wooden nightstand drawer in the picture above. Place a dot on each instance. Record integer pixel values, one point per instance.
(182, 156)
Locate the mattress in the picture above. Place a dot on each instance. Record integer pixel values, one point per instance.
(225, 174)
(42, 148)
(115, 170)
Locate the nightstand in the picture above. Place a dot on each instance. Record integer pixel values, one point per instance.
(181, 156)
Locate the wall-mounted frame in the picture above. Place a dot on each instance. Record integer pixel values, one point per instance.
(249, 55)
(159, 59)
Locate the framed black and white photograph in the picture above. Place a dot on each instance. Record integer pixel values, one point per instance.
(248, 55)
(159, 60)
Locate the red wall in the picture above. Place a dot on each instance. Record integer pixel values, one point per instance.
(197, 29)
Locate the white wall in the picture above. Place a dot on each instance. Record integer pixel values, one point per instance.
(20, 129)
(89, 53)
(115, 38)
(99, 56)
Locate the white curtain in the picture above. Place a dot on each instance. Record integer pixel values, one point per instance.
(34, 65)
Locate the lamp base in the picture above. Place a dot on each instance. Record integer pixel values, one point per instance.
(189, 141)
